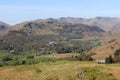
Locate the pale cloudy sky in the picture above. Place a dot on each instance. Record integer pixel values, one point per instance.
(15, 11)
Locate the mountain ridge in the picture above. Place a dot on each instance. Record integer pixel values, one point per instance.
(109, 24)
(106, 23)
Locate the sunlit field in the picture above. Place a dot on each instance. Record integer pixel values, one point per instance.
(61, 70)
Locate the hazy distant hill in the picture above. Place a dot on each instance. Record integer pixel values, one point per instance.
(109, 24)
(106, 23)
(58, 28)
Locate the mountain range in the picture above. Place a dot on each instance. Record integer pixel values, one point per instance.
(109, 24)
(40, 32)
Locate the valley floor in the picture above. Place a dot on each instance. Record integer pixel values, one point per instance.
(61, 70)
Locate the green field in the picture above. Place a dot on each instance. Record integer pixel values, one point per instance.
(61, 70)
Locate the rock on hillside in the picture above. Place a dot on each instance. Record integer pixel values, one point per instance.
(3, 28)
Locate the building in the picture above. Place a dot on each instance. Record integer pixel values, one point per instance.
(101, 61)
(53, 43)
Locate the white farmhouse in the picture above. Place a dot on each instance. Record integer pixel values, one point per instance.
(100, 61)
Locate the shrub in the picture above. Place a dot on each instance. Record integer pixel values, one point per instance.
(23, 62)
(84, 57)
(37, 70)
(30, 57)
(1, 64)
(30, 62)
(7, 58)
(16, 63)
(13, 63)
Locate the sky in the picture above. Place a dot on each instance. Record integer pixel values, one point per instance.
(16, 11)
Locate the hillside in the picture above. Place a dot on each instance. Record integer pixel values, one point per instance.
(38, 33)
(107, 49)
(55, 27)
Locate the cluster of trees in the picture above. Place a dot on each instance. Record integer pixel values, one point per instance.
(63, 49)
(59, 48)
(67, 45)
(67, 48)
(84, 57)
(28, 59)
(12, 60)
(116, 58)
(109, 59)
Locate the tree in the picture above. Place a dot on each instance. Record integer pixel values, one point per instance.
(23, 62)
(117, 56)
(117, 52)
(109, 59)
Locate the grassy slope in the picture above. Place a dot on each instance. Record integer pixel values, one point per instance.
(61, 70)
(106, 50)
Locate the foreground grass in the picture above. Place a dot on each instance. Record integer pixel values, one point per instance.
(61, 70)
